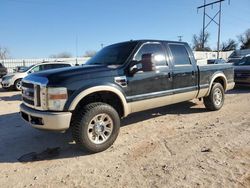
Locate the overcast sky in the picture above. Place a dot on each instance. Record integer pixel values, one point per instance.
(39, 28)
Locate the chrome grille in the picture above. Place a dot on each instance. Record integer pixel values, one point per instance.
(28, 93)
(31, 94)
(34, 92)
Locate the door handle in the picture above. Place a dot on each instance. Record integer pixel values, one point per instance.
(169, 75)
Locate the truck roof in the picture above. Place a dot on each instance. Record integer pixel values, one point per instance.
(155, 40)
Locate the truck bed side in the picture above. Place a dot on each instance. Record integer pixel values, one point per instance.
(209, 73)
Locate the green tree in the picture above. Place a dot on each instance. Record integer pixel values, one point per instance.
(61, 55)
(229, 45)
(89, 53)
(198, 40)
(4, 53)
(245, 40)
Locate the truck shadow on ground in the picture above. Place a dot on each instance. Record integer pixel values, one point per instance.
(18, 138)
(187, 107)
(239, 90)
(15, 97)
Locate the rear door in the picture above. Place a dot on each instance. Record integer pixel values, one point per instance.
(185, 73)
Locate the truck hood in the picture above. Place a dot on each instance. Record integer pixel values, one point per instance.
(10, 74)
(17, 74)
(63, 76)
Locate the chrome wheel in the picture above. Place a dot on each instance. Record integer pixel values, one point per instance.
(18, 85)
(218, 97)
(100, 128)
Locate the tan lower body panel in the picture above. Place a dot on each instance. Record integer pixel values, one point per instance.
(161, 101)
(203, 92)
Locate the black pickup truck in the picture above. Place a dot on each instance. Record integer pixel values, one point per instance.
(3, 70)
(119, 80)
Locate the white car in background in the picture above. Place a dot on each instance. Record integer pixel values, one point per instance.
(13, 80)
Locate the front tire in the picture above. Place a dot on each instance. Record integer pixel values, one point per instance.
(18, 85)
(95, 127)
(215, 100)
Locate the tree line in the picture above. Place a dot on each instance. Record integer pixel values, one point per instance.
(231, 44)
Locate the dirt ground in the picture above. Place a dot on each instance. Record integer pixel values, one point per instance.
(180, 145)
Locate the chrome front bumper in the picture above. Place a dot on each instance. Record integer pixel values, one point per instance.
(54, 121)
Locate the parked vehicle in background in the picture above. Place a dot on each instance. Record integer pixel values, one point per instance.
(242, 71)
(216, 61)
(201, 62)
(13, 80)
(119, 80)
(237, 55)
(3, 70)
(19, 68)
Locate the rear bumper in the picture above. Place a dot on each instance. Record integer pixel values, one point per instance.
(54, 121)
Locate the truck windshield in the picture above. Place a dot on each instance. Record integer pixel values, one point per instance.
(115, 54)
(24, 69)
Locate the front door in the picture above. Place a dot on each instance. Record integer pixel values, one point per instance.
(144, 86)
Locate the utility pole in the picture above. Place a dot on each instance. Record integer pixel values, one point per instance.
(180, 38)
(204, 21)
(212, 19)
(76, 49)
(218, 44)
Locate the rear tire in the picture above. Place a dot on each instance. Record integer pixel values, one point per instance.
(215, 100)
(18, 85)
(95, 127)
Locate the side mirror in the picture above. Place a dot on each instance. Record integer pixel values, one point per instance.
(147, 61)
(135, 66)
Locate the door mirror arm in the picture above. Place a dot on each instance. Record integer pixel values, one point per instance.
(135, 66)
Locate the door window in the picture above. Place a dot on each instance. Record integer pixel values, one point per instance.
(156, 50)
(55, 66)
(35, 69)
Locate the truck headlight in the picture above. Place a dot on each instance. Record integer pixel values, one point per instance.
(57, 98)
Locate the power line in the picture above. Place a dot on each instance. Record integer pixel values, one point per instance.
(212, 19)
